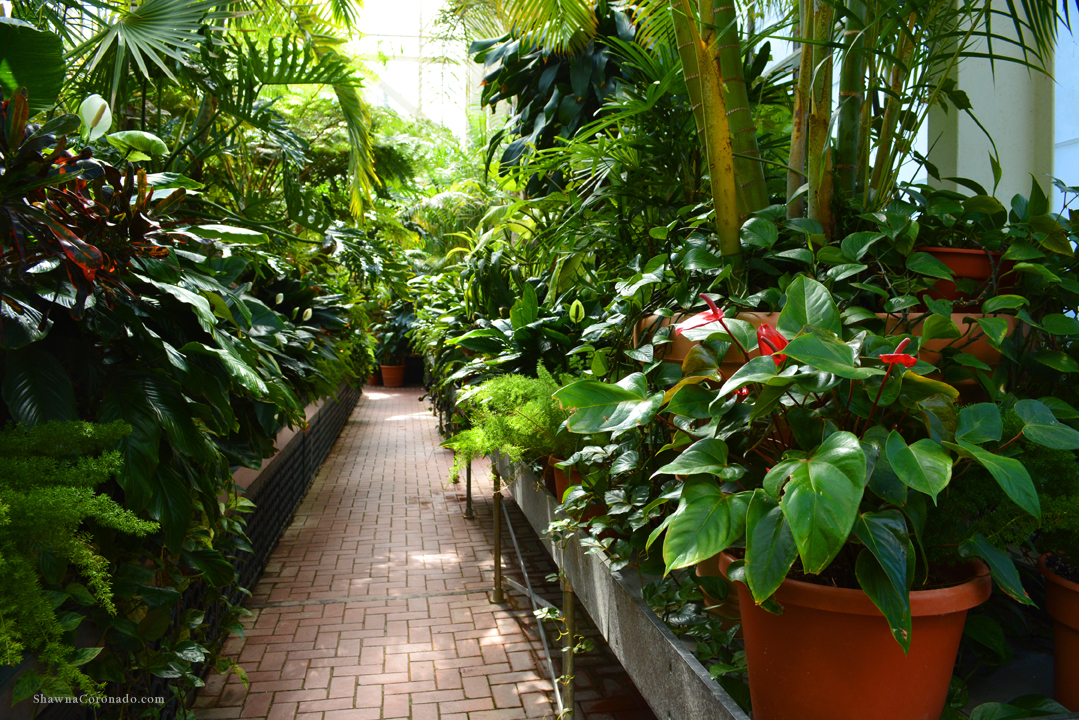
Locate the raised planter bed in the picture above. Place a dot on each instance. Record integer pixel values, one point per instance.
(671, 679)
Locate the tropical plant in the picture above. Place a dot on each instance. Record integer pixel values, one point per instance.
(514, 416)
(51, 566)
(826, 451)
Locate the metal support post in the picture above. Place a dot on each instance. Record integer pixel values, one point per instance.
(496, 594)
(468, 492)
(567, 648)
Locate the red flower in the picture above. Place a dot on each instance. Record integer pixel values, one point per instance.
(770, 342)
(742, 391)
(899, 356)
(709, 316)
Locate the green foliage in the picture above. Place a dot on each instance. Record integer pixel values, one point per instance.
(50, 566)
(515, 416)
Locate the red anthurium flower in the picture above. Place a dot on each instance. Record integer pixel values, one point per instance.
(899, 356)
(770, 342)
(742, 391)
(712, 315)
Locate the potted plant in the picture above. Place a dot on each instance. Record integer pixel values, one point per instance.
(393, 344)
(815, 471)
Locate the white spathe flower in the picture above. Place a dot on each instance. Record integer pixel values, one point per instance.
(279, 299)
(306, 314)
(96, 117)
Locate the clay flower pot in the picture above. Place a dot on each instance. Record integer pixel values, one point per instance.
(728, 610)
(976, 265)
(1062, 601)
(561, 480)
(677, 350)
(393, 375)
(831, 656)
(930, 352)
(372, 380)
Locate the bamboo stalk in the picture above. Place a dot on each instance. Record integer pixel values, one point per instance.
(851, 100)
(891, 111)
(796, 175)
(818, 140)
(749, 171)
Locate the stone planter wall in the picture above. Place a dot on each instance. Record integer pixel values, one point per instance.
(671, 679)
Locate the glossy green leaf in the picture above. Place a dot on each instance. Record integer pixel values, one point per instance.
(1042, 427)
(692, 401)
(822, 497)
(526, 310)
(36, 387)
(759, 232)
(704, 456)
(1010, 474)
(1001, 567)
(808, 303)
(892, 602)
(856, 245)
(937, 327)
(1057, 360)
(828, 355)
(996, 329)
(883, 480)
(230, 234)
(770, 546)
(707, 521)
(171, 505)
(607, 407)
(925, 264)
(923, 466)
(980, 423)
(33, 59)
(137, 144)
(1003, 302)
(759, 369)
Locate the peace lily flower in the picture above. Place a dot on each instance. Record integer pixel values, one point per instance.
(709, 316)
(306, 315)
(770, 342)
(96, 117)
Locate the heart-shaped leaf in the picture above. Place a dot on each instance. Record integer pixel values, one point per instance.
(707, 522)
(923, 466)
(822, 497)
(1042, 427)
(980, 423)
(770, 546)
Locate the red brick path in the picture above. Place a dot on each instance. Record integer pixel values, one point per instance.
(375, 604)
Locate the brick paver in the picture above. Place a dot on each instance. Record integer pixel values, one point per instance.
(375, 604)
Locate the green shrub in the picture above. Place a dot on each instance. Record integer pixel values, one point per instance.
(48, 510)
(516, 416)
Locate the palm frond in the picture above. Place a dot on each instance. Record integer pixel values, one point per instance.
(293, 62)
(560, 25)
(148, 34)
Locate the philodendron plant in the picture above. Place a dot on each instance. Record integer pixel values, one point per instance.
(826, 451)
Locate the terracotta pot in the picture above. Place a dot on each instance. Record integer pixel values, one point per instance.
(930, 352)
(393, 375)
(728, 609)
(372, 380)
(1062, 601)
(677, 350)
(976, 265)
(831, 655)
(561, 481)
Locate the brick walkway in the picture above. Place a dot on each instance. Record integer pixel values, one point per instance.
(375, 604)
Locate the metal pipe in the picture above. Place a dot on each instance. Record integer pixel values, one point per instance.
(567, 648)
(496, 594)
(468, 492)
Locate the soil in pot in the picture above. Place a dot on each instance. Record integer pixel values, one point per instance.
(968, 264)
(831, 655)
(1062, 602)
(393, 375)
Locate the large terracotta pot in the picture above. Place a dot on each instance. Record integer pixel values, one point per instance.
(372, 380)
(976, 265)
(831, 655)
(393, 375)
(561, 480)
(930, 352)
(677, 350)
(728, 610)
(1062, 601)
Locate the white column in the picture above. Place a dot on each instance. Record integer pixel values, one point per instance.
(1015, 105)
